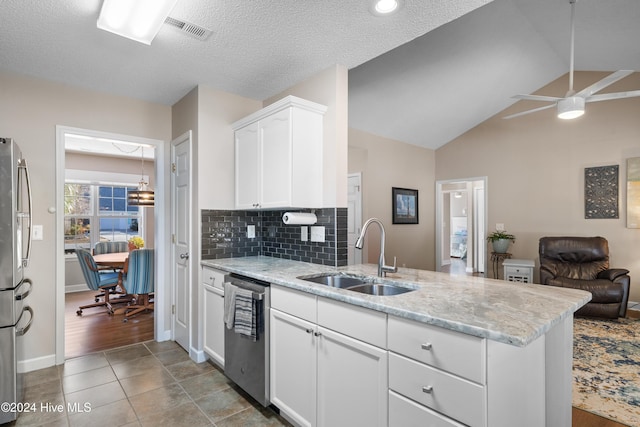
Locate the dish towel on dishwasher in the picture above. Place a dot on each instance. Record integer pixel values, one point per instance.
(229, 304)
(245, 322)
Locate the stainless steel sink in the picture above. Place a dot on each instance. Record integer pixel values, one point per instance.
(379, 289)
(362, 284)
(335, 280)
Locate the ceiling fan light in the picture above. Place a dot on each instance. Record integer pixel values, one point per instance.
(571, 107)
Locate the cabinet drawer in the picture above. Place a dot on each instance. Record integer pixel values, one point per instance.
(454, 352)
(294, 302)
(447, 394)
(406, 413)
(213, 277)
(357, 322)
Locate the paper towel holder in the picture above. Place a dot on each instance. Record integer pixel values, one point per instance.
(299, 218)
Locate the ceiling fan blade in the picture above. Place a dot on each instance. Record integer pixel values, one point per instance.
(529, 111)
(537, 98)
(615, 95)
(601, 84)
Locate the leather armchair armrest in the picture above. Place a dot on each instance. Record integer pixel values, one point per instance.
(612, 273)
(546, 274)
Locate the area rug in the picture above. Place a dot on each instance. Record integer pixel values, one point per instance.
(606, 368)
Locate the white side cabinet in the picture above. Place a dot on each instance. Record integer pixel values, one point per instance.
(279, 156)
(518, 270)
(322, 374)
(213, 328)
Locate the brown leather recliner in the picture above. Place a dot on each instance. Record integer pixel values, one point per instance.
(583, 263)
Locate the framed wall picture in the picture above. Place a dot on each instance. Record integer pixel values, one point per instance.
(405, 205)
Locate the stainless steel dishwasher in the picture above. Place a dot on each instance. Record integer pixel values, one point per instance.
(246, 362)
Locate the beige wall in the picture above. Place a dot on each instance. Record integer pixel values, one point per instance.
(29, 112)
(535, 167)
(208, 113)
(118, 165)
(384, 164)
(329, 88)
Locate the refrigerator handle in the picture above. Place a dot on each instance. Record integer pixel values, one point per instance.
(22, 164)
(23, 295)
(24, 330)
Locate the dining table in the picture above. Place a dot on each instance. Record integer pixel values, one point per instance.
(117, 261)
(114, 259)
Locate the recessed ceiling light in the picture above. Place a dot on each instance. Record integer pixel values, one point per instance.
(385, 7)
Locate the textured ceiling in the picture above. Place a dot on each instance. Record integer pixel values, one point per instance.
(435, 82)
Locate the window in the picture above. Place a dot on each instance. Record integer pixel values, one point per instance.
(98, 212)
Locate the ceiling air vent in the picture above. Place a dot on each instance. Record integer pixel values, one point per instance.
(193, 30)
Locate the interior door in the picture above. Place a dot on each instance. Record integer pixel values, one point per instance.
(181, 238)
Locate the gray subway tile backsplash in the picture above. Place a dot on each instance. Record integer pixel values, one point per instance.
(224, 235)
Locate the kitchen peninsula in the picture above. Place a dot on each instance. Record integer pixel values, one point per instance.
(456, 349)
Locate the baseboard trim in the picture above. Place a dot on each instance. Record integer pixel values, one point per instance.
(81, 287)
(163, 335)
(37, 363)
(197, 356)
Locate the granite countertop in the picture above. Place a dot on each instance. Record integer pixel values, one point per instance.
(508, 312)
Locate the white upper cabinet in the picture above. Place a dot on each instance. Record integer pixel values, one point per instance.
(278, 156)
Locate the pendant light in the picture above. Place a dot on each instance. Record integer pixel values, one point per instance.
(143, 196)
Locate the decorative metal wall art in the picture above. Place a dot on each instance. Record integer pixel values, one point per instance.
(601, 192)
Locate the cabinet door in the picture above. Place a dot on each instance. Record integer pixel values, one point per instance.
(293, 363)
(247, 167)
(352, 382)
(276, 146)
(214, 324)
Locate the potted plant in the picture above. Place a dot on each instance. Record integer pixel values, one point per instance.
(500, 241)
(136, 242)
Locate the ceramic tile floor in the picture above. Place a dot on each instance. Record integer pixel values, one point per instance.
(148, 384)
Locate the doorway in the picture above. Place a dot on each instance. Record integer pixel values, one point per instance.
(354, 217)
(121, 143)
(461, 226)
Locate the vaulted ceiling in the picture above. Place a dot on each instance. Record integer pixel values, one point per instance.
(424, 75)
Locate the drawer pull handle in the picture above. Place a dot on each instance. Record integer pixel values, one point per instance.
(308, 331)
(427, 389)
(317, 334)
(426, 346)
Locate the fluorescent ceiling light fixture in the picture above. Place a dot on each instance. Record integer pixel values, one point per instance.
(138, 20)
(384, 7)
(571, 107)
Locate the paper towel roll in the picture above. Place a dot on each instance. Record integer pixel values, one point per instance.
(301, 218)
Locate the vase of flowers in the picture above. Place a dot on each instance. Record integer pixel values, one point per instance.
(500, 241)
(136, 242)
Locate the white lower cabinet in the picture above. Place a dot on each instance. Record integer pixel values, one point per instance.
(213, 301)
(321, 377)
(293, 360)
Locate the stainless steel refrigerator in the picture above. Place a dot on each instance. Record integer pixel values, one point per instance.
(15, 247)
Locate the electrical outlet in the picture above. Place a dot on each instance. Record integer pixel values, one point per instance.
(251, 231)
(499, 227)
(317, 233)
(304, 233)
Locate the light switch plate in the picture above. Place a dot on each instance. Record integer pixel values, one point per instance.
(251, 231)
(304, 233)
(499, 227)
(317, 233)
(37, 233)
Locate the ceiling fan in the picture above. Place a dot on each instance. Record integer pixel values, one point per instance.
(572, 105)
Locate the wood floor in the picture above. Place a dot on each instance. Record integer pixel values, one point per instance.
(95, 330)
